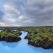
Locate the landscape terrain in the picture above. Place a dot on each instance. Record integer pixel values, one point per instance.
(39, 36)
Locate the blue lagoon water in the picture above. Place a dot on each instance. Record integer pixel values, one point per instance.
(21, 47)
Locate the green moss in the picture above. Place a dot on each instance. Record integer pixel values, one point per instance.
(41, 36)
(10, 35)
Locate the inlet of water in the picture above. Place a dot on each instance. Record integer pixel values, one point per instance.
(21, 47)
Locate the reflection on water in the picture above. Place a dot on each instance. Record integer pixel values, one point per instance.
(21, 47)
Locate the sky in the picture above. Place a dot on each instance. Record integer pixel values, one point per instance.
(26, 12)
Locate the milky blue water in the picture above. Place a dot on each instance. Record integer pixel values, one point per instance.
(21, 47)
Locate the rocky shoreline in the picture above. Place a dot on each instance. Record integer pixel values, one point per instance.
(9, 35)
(10, 39)
(46, 45)
(41, 37)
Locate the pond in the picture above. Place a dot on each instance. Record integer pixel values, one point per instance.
(21, 47)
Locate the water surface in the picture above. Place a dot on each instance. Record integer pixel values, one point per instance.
(21, 47)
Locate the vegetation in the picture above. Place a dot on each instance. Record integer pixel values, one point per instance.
(9, 35)
(41, 36)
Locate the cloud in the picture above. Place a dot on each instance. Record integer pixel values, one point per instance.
(28, 12)
(10, 14)
(41, 11)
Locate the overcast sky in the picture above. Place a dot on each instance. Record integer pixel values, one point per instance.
(26, 12)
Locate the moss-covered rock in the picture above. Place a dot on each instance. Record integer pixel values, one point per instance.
(12, 38)
(44, 44)
(9, 35)
(41, 37)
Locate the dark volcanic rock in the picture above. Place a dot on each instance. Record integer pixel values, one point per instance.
(20, 33)
(33, 44)
(2, 38)
(26, 37)
(45, 45)
(12, 39)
